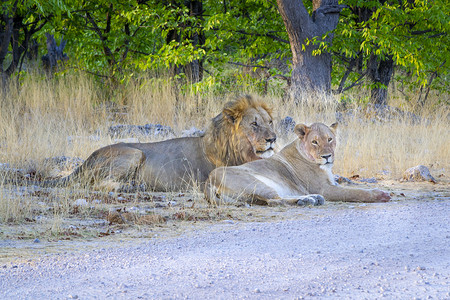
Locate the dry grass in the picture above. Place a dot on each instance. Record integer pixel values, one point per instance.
(71, 116)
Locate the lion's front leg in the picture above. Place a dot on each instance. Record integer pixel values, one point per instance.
(312, 199)
(345, 194)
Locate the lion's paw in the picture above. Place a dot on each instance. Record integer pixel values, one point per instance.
(313, 199)
(380, 196)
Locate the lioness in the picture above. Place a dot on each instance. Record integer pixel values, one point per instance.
(242, 132)
(299, 174)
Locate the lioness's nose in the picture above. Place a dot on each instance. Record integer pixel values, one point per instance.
(271, 140)
(326, 156)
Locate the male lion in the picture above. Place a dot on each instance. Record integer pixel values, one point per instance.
(299, 174)
(242, 132)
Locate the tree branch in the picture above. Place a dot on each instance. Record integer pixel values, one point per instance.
(350, 67)
(287, 78)
(108, 51)
(356, 82)
(274, 37)
(249, 66)
(330, 9)
(96, 74)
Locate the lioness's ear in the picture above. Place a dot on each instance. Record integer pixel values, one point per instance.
(334, 127)
(301, 130)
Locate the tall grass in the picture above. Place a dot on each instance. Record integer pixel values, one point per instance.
(71, 115)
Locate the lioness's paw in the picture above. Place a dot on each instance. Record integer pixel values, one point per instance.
(380, 196)
(313, 199)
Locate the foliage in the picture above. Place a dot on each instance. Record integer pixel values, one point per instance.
(21, 23)
(414, 33)
(120, 39)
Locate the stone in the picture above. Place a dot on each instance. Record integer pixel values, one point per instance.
(192, 132)
(341, 179)
(369, 180)
(80, 202)
(418, 173)
(152, 130)
(286, 125)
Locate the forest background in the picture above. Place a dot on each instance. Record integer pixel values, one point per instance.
(315, 46)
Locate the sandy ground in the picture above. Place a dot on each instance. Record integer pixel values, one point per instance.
(395, 250)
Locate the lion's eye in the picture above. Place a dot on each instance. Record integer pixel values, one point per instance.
(254, 124)
(329, 140)
(315, 143)
(270, 122)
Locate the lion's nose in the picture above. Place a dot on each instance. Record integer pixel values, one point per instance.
(271, 140)
(326, 157)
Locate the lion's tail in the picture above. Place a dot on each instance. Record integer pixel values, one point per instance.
(59, 182)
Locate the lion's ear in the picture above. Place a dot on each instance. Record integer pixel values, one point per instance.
(233, 111)
(228, 114)
(301, 130)
(334, 127)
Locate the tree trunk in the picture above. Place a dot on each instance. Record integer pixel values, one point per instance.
(311, 74)
(54, 53)
(194, 69)
(5, 39)
(380, 73)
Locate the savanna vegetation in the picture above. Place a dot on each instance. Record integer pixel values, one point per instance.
(72, 69)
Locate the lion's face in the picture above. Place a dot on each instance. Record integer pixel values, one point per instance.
(245, 131)
(257, 127)
(318, 142)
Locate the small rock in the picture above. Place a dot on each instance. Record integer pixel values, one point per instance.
(418, 173)
(286, 125)
(369, 180)
(126, 140)
(384, 174)
(192, 132)
(153, 130)
(341, 179)
(257, 291)
(36, 241)
(80, 202)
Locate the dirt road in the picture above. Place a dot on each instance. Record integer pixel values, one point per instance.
(396, 250)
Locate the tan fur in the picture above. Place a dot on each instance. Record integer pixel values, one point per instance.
(299, 174)
(181, 163)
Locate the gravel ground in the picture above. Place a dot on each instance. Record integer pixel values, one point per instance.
(397, 250)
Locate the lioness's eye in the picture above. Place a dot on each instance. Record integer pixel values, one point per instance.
(270, 122)
(315, 143)
(329, 140)
(254, 124)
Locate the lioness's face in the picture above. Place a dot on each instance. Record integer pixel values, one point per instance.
(257, 126)
(319, 142)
